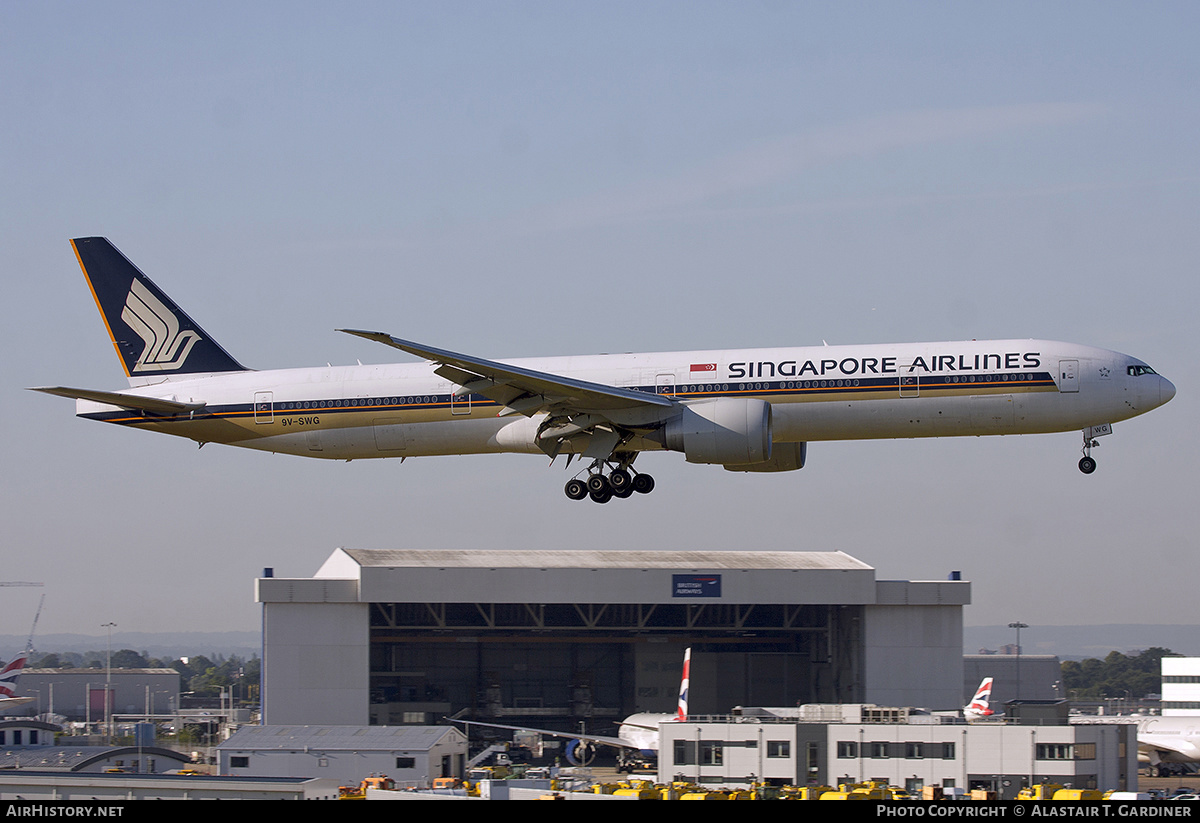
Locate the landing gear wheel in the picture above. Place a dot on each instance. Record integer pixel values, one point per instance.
(602, 496)
(623, 493)
(597, 483)
(1087, 465)
(576, 489)
(619, 479)
(643, 484)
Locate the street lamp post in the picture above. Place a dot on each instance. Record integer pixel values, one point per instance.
(108, 684)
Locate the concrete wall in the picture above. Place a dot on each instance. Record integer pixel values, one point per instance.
(1032, 677)
(913, 656)
(315, 663)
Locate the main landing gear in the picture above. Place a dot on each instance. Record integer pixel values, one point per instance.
(619, 482)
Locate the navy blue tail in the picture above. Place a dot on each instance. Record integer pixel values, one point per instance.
(152, 335)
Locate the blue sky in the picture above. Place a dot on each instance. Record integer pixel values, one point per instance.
(524, 179)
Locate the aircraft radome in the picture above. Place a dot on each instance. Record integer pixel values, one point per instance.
(752, 410)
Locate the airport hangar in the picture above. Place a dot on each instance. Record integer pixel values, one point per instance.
(556, 639)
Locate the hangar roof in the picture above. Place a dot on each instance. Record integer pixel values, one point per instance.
(342, 738)
(589, 559)
(570, 576)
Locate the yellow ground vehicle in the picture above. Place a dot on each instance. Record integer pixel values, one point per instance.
(804, 792)
(1040, 791)
(1078, 794)
(359, 792)
(641, 789)
(870, 790)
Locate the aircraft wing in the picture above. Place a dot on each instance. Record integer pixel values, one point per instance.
(616, 742)
(1168, 748)
(124, 401)
(503, 383)
(607, 415)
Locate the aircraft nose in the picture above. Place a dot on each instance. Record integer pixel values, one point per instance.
(1166, 390)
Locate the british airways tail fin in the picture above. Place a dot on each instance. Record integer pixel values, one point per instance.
(153, 337)
(12, 669)
(980, 705)
(10, 673)
(681, 710)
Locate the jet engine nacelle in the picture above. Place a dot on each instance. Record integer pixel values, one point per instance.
(728, 430)
(580, 752)
(785, 457)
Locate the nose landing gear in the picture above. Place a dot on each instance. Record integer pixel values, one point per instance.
(1087, 463)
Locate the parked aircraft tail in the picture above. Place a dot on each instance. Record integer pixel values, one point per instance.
(681, 711)
(10, 673)
(12, 670)
(154, 338)
(979, 708)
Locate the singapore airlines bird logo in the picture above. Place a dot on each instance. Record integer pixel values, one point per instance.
(166, 346)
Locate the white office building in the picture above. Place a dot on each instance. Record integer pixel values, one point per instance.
(996, 757)
(1181, 686)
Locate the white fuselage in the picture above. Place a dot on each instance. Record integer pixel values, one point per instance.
(640, 731)
(815, 393)
(1169, 740)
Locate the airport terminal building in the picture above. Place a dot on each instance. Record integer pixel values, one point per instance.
(560, 639)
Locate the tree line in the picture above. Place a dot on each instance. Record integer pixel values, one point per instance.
(1117, 675)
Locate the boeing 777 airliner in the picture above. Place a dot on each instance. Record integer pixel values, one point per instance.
(751, 410)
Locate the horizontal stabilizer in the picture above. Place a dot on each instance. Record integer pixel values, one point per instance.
(124, 401)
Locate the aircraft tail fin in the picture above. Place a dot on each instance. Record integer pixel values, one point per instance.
(10, 673)
(979, 704)
(154, 338)
(681, 712)
(12, 669)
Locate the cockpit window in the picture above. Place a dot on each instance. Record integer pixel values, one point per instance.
(1134, 371)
